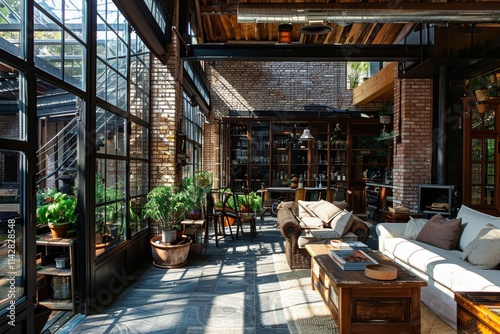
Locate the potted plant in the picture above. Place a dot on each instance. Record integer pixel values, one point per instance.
(58, 211)
(167, 205)
(482, 88)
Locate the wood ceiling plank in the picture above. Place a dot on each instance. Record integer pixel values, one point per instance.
(380, 84)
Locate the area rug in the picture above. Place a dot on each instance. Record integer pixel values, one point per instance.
(306, 312)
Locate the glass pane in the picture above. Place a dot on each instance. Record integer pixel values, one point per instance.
(475, 195)
(139, 144)
(11, 23)
(110, 133)
(136, 207)
(11, 228)
(476, 173)
(490, 174)
(48, 41)
(75, 17)
(13, 105)
(489, 196)
(110, 210)
(490, 149)
(58, 151)
(139, 178)
(489, 119)
(476, 149)
(74, 61)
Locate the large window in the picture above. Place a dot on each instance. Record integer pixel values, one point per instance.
(59, 39)
(192, 120)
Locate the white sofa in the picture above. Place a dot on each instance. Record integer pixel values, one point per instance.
(444, 270)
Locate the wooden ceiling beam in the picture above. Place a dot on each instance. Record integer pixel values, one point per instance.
(380, 84)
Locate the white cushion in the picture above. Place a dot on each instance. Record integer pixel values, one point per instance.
(413, 227)
(304, 211)
(444, 266)
(484, 251)
(472, 223)
(322, 209)
(311, 222)
(342, 222)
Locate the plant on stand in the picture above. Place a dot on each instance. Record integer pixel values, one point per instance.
(58, 211)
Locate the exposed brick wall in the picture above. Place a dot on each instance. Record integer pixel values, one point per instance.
(279, 86)
(166, 114)
(413, 155)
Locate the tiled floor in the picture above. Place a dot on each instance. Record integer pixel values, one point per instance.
(239, 287)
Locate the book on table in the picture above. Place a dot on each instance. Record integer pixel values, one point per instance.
(339, 244)
(351, 259)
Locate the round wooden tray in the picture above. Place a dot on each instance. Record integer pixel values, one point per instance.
(381, 272)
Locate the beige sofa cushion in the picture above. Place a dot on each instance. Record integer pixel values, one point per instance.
(310, 222)
(322, 209)
(342, 222)
(472, 223)
(413, 227)
(484, 251)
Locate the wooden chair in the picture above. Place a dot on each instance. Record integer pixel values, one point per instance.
(244, 217)
(300, 194)
(267, 205)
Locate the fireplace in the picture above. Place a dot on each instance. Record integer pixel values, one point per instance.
(437, 198)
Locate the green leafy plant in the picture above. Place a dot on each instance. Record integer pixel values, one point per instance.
(58, 208)
(251, 201)
(167, 205)
(197, 188)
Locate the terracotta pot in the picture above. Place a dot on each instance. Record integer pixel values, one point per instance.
(482, 107)
(59, 230)
(167, 255)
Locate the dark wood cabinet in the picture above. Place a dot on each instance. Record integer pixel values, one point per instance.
(344, 153)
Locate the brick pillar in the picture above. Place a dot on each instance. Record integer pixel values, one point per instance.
(166, 114)
(413, 139)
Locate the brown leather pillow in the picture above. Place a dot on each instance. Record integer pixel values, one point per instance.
(440, 232)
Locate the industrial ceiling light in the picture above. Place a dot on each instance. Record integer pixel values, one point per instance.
(306, 135)
(285, 33)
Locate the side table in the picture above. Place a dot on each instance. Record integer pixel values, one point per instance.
(387, 216)
(478, 312)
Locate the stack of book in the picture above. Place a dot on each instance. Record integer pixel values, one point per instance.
(351, 259)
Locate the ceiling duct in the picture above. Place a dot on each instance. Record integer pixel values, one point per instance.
(345, 13)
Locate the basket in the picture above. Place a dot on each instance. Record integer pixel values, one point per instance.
(61, 287)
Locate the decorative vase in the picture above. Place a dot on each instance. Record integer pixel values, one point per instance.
(59, 230)
(167, 255)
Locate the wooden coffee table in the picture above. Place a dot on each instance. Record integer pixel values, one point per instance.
(363, 305)
(478, 312)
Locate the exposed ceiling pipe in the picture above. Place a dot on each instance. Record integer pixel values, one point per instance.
(348, 12)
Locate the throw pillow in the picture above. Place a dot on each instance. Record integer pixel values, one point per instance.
(323, 210)
(440, 232)
(413, 227)
(304, 211)
(473, 221)
(484, 251)
(342, 222)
